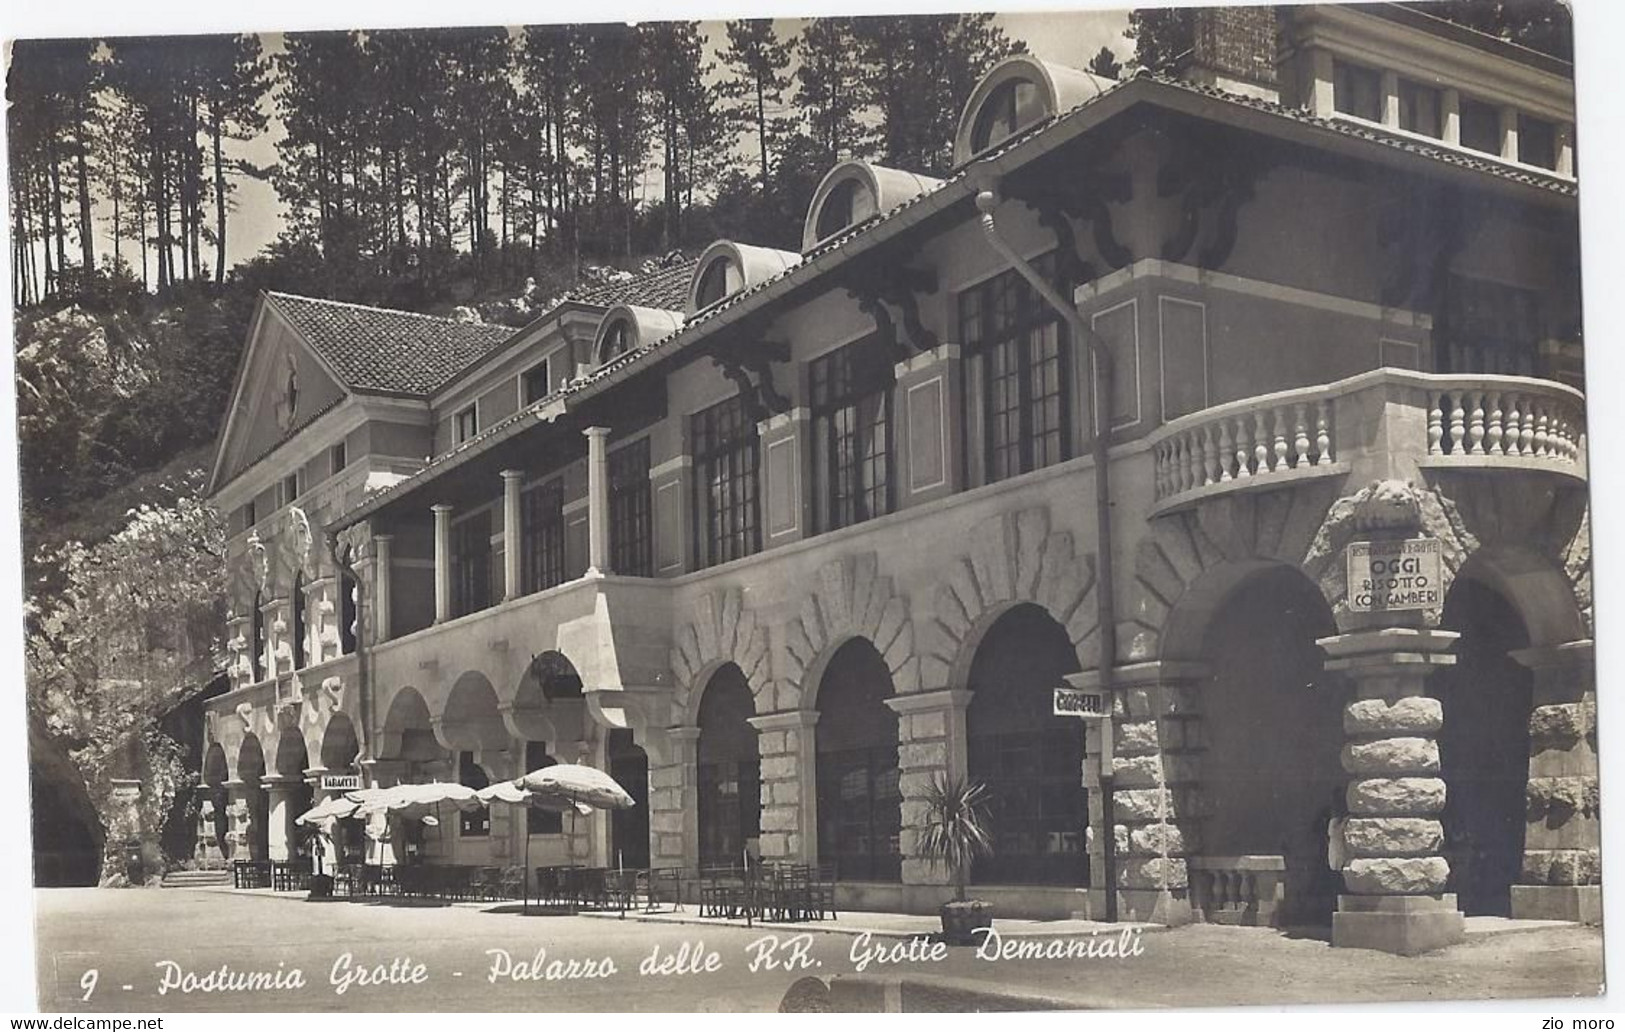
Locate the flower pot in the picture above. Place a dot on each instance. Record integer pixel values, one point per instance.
(321, 886)
(961, 918)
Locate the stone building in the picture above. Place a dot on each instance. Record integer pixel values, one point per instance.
(777, 538)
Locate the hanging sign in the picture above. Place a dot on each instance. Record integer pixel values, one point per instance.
(1395, 576)
(1079, 702)
(340, 782)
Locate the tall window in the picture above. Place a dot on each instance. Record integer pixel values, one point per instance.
(257, 622)
(851, 411)
(1480, 126)
(347, 613)
(1010, 108)
(1489, 328)
(1419, 109)
(472, 823)
(466, 425)
(541, 546)
(290, 488)
(471, 563)
(1020, 367)
(728, 523)
(631, 535)
(535, 382)
(1357, 91)
(336, 458)
(299, 621)
(616, 340)
(541, 822)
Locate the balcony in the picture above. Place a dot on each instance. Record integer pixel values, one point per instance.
(1388, 416)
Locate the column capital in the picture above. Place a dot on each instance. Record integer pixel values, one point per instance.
(683, 734)
(596, 431)
(440, 508)
(786, 721)
(1569, 655)
(1141, 675)
(382, 539)
(512, 474)
(1389, 647)
(941, 699)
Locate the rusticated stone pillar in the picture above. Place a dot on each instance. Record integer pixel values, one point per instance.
(1561, 876)
(785, 741)
(1157, 744)
(930, 744)
(674, 801)
(1393, 871)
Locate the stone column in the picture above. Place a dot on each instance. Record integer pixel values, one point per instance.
(1565, 149)
(511, 519)
(1389, 114)
(381, 587)
(597, 499)
(279, 815)
(1450, 116)
(503, 765)
(674, 801)
(1394, 875)
(1509, 133)
(238, 846)
(270, 614)
(1156, 750)
(1322, 99)
(442, 562)
(789, 816)
(930, 744)
(1561, 876)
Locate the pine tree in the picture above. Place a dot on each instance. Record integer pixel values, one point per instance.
(1105, 64)
(757, 60)
(233, 80)
(829, 88)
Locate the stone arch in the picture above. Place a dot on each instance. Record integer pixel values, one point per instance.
(339, 745)
(471, 717)
(1542, 593)
(408, 731)
(250, 759)
(723, 630)
(1014, 558)
(291, 757)
(215, 772)
(1235, 535)
(848, 600)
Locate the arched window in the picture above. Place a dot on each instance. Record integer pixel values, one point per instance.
(299, 621)
(848, 202)
(714, 285)
(1010, 108)
(617, 339)
(257, 658)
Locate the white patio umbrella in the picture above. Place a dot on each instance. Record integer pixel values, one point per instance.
(564, 787)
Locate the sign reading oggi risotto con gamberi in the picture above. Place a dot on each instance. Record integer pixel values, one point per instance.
(1389, 576)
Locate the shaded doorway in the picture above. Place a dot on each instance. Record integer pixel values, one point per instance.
(859, 804)
(256, 844)
(629, 829)
(730, 770)
(1484, 747)
(1030, 759)
(1272, 773)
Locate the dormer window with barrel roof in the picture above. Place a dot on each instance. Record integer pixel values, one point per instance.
(855, 191)
(1016, 94)
(726, 268)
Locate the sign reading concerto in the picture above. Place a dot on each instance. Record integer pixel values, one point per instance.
(1394, 576)
(1076, 702)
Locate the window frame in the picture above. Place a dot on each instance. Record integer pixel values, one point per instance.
(545, 366)
(731, 450)
(338, 457)
(631, 509)
(472, 412)
(837, 386)
(542, 541)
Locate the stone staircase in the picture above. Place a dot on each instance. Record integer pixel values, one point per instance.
(196, 879)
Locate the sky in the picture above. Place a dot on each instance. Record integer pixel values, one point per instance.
(1065, 38)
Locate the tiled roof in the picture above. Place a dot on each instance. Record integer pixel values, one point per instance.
(664, 288)
(380, 349)
(697, 323)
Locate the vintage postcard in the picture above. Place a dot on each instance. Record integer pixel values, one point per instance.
(970, 511)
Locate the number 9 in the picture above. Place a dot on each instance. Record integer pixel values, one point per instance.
(87, 982)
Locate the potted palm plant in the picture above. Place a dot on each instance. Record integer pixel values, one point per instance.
(955, 833)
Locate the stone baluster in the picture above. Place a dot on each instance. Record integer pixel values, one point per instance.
(1458, 423)
(1436, 426)
(1493, 430)
(1475, 423)
(1227, 452)
(1543, 439)
(1300, 440)
(1512, 438)
(1323, 432)
(1527, 435)
(1210, 456)
(1395, 877)
(1193, 461)
(1243, 450)
(1261, 448)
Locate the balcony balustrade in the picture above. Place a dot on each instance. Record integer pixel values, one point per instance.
(1267, 441)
